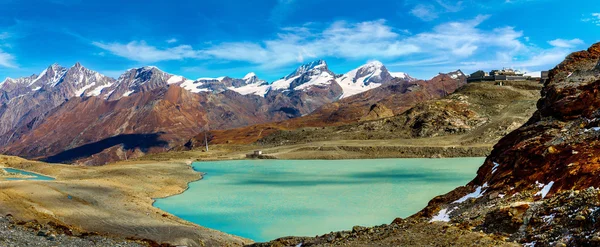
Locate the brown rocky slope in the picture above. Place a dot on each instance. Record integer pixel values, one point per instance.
(538, 185)
(476, 113)
(94, 131)
(396, 97)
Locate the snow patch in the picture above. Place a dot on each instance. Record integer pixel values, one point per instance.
(252, 89)
(249, 76)
(476, 194)
(79, 92)
(192, 86)
(545, 189)
(175, 79)
(495, 167)
(531, 244)
(128, 93)
(322, 79)
(98, 90)
(443, 216)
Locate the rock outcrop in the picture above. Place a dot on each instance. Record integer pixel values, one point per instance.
(538, 185)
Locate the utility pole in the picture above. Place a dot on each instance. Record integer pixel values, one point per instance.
(206, 136)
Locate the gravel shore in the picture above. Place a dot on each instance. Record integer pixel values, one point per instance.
(32, 234)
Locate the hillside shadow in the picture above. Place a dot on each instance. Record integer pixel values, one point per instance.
(129, 142)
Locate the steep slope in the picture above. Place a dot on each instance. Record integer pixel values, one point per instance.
(397, 96)
(49, 115)
(11, 88)
(303, 91)
(93, 130)
(139, 80)
(29, 99)
(476, 113)
(538, 187)
(366, 77)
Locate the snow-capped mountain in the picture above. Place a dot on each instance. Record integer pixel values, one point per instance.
(402, 76)
(367, 77)
(303, 78)
(11, 88)
(51, 76)
(81, 81)
(140, 80)
(252, 86)
(306, 76)
(76, 81)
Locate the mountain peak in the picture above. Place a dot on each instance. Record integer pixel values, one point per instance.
(55, 67)
(249, 76)
(374, 63)
(314, 65)
(77, 65)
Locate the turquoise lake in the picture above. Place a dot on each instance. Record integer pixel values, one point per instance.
(35, 176)
(267, 199)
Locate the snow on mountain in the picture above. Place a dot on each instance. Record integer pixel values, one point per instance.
(51, 76)
(140, 80)
(249, 76)
(364, 78)
(252, 89)
(311, 74)
(70, 82)
(403, 76)
(194, 86)
(84, 82)
(252, 85)
(81, 82)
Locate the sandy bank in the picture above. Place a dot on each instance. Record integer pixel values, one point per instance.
(114, 200)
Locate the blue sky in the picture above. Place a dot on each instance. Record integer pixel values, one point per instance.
(272, 37)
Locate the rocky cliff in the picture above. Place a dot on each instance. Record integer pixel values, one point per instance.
(538, 187)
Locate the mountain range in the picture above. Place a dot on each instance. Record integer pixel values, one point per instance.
(79, 115)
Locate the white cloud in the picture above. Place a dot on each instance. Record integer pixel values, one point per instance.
(563, 43)
(593, 18)
(171, 41)
(340, 39)
(447, 46)
(449, 7)
(142, 52)
(430, 12)
(424, 12)
(7, 60)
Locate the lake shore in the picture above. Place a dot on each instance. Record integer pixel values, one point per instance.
(112, 200)
(117, 199)
(435, 147)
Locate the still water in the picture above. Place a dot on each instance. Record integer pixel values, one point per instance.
(33, 176)
(267, 199)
